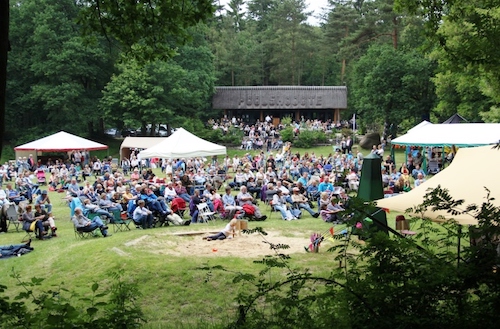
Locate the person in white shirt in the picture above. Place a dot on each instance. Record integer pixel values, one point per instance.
(420, 179)
(286, 192)
(169, 171)
(3, 197)
(353, 180)
(169, 193)
(228, 231)
(143, 216)
(279, 204)
(236, 163)
(3, 174)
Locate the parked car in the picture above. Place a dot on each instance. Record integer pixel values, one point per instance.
(126, 132)
(113, 132)
(162, 131)
(159, 131)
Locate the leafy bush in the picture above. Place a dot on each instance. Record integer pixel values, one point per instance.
(388, 282)
(287, 134)
(286, 121)
(113, 307)
(234, 136)
(308, 138)
(346, 132)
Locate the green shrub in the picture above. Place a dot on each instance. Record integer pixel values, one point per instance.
(286, 121)
(113, 307)
(309, 138)
(390, 281)
(234, 136)
(287, 134)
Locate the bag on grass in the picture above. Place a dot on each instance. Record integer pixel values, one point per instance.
(33, 225)
(248, 209)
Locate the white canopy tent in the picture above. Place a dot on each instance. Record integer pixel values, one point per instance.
(182, 144)
(58, 142)
(138, 143)
(460, 135)
(420, 125)
(465, 178)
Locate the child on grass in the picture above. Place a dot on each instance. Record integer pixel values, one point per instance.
(226, 232)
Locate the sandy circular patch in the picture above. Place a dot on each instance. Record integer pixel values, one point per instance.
(244, 245)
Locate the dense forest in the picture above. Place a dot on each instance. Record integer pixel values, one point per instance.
(400, 61)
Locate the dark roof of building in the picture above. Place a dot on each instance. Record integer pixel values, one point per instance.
(281, 97)
(456, 118)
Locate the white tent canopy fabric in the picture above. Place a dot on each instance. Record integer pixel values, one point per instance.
(138, 143)
(465, 178)
(420, 125)
(460, 135)
(61, 142)
(182, 144)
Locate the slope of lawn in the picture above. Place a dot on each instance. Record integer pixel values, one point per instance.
(175, 289)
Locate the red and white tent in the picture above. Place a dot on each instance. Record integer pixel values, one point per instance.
(58, 142)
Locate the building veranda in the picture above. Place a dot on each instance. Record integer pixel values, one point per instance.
(255, 103)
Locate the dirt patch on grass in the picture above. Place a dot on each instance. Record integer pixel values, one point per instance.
(243, 245)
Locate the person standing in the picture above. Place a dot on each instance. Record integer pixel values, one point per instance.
(348, 145)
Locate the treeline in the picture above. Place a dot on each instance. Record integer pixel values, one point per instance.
(398, 69)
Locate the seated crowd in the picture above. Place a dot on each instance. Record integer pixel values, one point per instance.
(290, 182)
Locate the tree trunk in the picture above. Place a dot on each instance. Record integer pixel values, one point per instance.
(4, 48)
(395, 33)
(342, 72)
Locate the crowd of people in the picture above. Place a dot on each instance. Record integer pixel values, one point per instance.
(291, 183)
(265, 135)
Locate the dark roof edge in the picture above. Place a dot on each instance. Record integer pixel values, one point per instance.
(282, 88)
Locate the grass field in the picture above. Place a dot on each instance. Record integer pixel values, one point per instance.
(175, 291)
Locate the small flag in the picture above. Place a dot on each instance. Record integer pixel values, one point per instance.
(332, 231)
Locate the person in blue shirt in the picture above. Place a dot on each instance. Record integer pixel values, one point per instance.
(312, 191)
(304, 179)
(326, 186)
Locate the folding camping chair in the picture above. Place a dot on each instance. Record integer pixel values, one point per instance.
(120, 224)
(13, 217)
(269, 201)
(85, 234)
(204, 213)
(178, 206)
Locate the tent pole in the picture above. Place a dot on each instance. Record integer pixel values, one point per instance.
(393, 156)
(424, 161)
(458, 244)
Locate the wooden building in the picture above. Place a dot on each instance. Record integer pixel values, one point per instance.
(310, 102)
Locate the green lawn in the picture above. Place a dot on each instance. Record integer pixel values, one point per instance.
(175, 291)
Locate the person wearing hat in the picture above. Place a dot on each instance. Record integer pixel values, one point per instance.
(44, 201)
(302, 202)
(46, 219)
